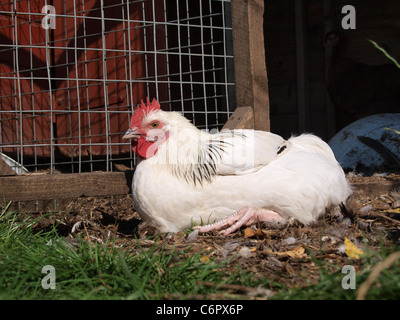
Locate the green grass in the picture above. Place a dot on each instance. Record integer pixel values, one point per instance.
(89, 270)
(387, 55)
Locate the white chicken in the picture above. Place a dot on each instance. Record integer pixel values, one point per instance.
(230, 178)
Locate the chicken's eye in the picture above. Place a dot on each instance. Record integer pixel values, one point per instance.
(155, 124)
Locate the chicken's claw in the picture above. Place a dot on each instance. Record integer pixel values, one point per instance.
(246, 216)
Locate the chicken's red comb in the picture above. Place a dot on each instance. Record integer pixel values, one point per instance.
(143, 110)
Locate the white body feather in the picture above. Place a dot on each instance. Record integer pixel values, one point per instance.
(171, 189)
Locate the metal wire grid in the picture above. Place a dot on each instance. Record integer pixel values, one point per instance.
(67, 93)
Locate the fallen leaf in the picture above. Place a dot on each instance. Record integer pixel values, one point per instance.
(204, 259)
(297, 252)
(351, 249)
(249, 232)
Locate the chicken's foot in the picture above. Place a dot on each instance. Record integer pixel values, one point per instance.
(245, 216)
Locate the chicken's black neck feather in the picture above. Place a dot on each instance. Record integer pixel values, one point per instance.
(209, 155)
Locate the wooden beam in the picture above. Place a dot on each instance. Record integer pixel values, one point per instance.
(60, 186)
(377, 188)
(242, 118)
(5, 169)
(53, 192)
(251, 82)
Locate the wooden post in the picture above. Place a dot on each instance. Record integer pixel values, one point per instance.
(249, 58)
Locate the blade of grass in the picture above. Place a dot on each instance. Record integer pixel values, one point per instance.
(385, 53)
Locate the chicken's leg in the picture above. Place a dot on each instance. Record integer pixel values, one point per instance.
(246, 216)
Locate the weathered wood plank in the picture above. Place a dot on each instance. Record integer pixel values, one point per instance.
(5, 169)
(58, 186)
(242, 118)
(378, 188)
(52, 187)
(251, 80)
(52, 192)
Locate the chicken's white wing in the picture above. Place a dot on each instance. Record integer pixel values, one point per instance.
(245, 151)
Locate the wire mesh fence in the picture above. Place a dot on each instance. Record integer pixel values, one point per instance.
(72, 73)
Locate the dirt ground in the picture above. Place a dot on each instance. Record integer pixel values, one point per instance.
(283, 253)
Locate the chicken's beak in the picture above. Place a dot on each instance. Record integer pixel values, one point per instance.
(131, 134)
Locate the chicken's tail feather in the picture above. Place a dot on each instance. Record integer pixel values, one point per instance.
(311, 143)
